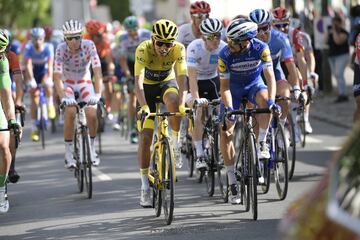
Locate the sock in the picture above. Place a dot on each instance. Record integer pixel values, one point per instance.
(262, 134)
(231, 174)
(144, 172)
(199, 148)
(49, 100)
(69, 147)
(306, 116)
(3, 181)
(92, 142)
(282, 121)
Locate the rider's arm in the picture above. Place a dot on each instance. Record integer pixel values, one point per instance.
(293, 75)
(5, 89)
(310, 60)
(96, 66)
(192, 66)
(28, 63)
(224, 75)
(58, 71)
(123, 59)
(288, 58)
(17, 76)
(268, 72)
(181, 75)
(140, 63)
(300, 56)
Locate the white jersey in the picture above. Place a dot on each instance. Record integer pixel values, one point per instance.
(204, 61)
(186, 35)
(76, 66)
(128, 45)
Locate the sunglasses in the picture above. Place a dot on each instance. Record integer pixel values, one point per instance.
(200, 15)
(213, 36)
(71, 38)
(160, 44)
(281, 25)
(265, 28)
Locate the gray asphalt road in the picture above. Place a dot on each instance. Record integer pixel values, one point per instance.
(45, 204)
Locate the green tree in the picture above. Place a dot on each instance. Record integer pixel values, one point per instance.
(119, 9)
(24, 14)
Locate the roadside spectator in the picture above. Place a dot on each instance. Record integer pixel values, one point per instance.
(337, 39)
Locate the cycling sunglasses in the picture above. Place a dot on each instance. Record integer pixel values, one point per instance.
(213, 36)
(200, 15)
(71, 38)
(160, 44)
(281, 25)
(265, 28)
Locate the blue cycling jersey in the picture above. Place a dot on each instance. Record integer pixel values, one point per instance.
(244, 70)
(280, 50)
(39, 58)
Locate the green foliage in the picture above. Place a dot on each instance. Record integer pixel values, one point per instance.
(24, 13)
(120, 9)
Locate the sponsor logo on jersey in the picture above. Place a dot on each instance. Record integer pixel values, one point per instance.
(214, 59)
(221, 65)
(245, 65)
(265, 55)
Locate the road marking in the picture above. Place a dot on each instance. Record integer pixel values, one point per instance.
(333, 148)
(100, 175)
(310, 139)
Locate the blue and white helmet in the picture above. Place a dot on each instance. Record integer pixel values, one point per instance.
(260, 16)
(38, 32)
(241, 29)
(211, 26)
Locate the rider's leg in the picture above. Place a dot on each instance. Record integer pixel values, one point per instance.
(283, 90)
(5, 162)
(131, 114)
(34, 94)
(264, 120)
(92, 123)
(69, 116)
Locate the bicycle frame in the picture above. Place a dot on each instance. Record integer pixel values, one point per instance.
(162, 132)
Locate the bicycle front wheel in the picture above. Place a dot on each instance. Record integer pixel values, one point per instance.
(157, 193)
(301, 125)
(87, 165)
(281, 163)
(252, 168)
(79, 172)
(289, 132)
(167, 182)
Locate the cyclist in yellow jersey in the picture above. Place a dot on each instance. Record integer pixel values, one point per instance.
(158, 62)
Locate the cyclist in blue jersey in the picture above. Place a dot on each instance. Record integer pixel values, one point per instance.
(38, 59)
(240, 65)
(280, 50)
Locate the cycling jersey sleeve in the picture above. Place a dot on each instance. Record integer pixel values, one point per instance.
(95, 60)
(265, 57)
(140, 63)
(222, 68)
(5, 81)
(59, 55)
(27, 52)
(51, 51)
(286, 51)
(13, 63)
(191, 56)
(298, 41)
(180, 64)
(123, 49)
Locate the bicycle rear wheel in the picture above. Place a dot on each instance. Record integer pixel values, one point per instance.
(290, 129)
(252, 168)
(212, 152)
(266, 174)
(87, 165)
(190, 155)
(167, 182)
(281, 163)
(243, 175)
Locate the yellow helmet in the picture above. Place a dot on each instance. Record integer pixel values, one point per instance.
(165, 30)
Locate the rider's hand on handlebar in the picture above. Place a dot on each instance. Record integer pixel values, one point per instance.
(94, 99)
(68, 101)
(273, 106)
(297, 91)
(201, 102)
(183, 110)
(144, 111)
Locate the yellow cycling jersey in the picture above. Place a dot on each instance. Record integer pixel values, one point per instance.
(157, 68)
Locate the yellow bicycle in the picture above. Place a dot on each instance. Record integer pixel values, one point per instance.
(162, 174)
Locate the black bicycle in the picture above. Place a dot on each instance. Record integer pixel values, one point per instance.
(246, 165)
(210, 142)
(100, 114)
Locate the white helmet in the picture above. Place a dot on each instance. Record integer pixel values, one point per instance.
(211, 26)
(260, 16)
(241, 29)
(72, 27)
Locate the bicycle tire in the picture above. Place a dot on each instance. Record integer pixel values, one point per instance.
(266, 174)
(87, 165)
(281, 164)
(301, 123)
(243, 175)
(190, 155)
(209, 174)
(42, 126)
(167, 182)
(78, 173)
(252, 168)
(157, 200)
(99, 142)
(53, 125)
(290, 127)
